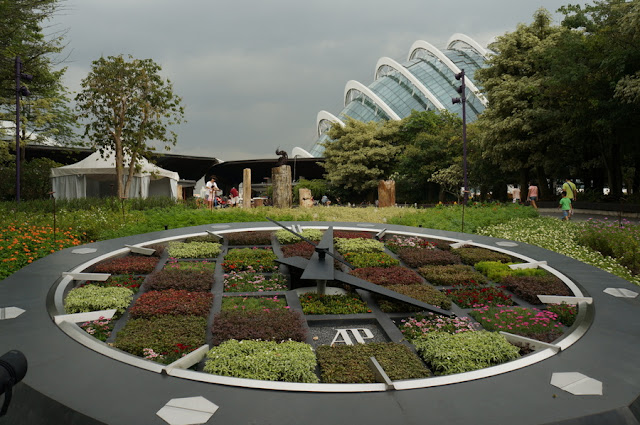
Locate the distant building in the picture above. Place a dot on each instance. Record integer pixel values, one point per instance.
(425, 82)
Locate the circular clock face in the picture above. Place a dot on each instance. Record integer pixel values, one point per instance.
(376, 308)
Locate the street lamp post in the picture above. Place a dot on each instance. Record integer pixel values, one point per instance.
(463, 100)
(20, 91)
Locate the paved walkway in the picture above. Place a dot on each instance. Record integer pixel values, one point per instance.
(580, 216)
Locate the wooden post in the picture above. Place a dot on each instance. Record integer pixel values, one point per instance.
(246, 188)
(281, 180)
(386, 193)
(306, 201)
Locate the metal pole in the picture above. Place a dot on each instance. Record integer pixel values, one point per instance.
(464, 140)
(18, 70)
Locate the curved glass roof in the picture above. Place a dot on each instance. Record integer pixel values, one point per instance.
(402, 96)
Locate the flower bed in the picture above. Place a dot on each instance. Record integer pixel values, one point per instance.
(396, 242)
(566, 313)
(529, 287)
(419, 325)
(344, 245)
(473, 255)
(273, 325)
(478, 297)
(287, 361)
(497, 271)
(204, 238)
(202, 266)
(299, 249)
(370, 259)
(253, 303)
(190, 280)
(194, 249)
(127, 265)
(532, 323)
(350, 363)
(351, 234)
(385, 276)
(121, 281)
(447, 353)
(162, 338)
(100, 329)
(254, 282)
(424, 293)
(249, 238)
(285, 237)
(332, 304)
(158, 251)
(453, 275)
(175, 302)
(261, 260)
(415, 258)
(94, 298)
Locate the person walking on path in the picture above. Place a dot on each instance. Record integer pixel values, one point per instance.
(572, 191)
(515, 194)
(532, 194)
(566, 206)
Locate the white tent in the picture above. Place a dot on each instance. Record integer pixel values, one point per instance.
(95, 176)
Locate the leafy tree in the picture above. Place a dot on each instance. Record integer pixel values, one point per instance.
(35, 173)
(129, 105)
(318, 188)
(46, 112)
(359, 156)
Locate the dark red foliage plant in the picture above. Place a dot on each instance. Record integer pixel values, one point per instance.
(267, 325)
(127, 265)
(299, 249)
(190, 280)
(384, 276)
(173, 302)
(426, 257)
(529, 287)
(350, 234)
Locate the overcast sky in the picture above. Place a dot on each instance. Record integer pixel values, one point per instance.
(254, 74)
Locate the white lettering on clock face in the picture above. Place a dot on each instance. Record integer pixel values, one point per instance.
(359, 334)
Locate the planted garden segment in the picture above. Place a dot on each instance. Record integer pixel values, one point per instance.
(223, 313)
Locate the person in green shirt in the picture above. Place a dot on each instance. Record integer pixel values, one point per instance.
(566, 206)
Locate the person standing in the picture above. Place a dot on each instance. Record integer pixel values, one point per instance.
(212, 188)
(515, 194)
(532, 194)
(566, 206)
(234, 196)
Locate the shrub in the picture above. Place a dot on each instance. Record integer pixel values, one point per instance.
(253, 303)
(397, 242)
(168, 337)
(273, 325)
(478, 297)
(249, 238)
(620, 240)
(532, 323)
(99, 329)
(529, 287)
(208, 238)
(344, 245)
(351, 234)
(286, 237)
(452, 275)
(332, 304)
(566, 313)
(300, 249)
(413, 257)
(350, 363)
(424, 293)
(254, 282)
(385, 276)
(261, 260)
(287, 361)
(201, 266)
(447, 354)
(175, 302)
(127, 265)
(419, 325)
(94, 298)
(121, 281)
(194, 249)
(473, 255)
(370, 259)
(190, 280)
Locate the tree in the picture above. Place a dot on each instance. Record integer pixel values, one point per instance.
(128, 104)
(359, 155)
(46, 112)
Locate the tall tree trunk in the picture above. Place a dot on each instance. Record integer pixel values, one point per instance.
(543, 185)
(613, 165)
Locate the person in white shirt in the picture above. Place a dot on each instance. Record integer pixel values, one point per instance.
(515, 194)
(212, 191)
